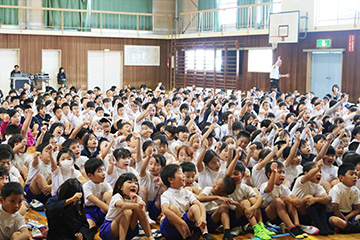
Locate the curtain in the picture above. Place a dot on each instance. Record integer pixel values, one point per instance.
(122, 21)
(71, 20)
(209, 21)
(9, 16)
(245, 16)
(265, 13)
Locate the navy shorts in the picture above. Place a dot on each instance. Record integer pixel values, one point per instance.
(30, 196)
(276, 221)
(211, 225)
(331, 214)
(234, 221)
(106, 234)
(170, 232)
(94, 213)
(154, 212)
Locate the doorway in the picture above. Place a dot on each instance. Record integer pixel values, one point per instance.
(8, 58)
(51, 62)
(104, 69)
(326, 71)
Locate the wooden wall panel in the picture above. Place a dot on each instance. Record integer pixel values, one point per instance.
(295, 61)
(74, 52)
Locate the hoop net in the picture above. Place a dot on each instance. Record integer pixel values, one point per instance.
(274, 40)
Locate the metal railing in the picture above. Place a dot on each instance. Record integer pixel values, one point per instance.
(255, 16)
(33, 18)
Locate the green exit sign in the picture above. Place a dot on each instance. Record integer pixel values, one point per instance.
(323, 43)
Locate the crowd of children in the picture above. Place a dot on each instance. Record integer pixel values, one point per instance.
(194, 160)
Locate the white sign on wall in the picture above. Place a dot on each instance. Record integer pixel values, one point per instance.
(142, 55)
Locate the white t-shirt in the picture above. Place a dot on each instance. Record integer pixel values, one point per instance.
(96, 189)
(63, 120)
(22, 159)
(275, 193)
(275, 73)
(258, 177)
(344, 196)
(182, 198)
(300, 190)
(41, 168)
(114, 211)
(14, 174)
(292, 172)
(10, 223)
(117, 172)
(213, 205)
(175, 144)
(242, 192)
(80, 162)
(148, 181)
(208, 177)
(329, 173)
(59, 177)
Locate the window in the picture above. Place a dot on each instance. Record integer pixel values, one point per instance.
(204, 60)
(228, 17)
(260, 60)
(336, 12)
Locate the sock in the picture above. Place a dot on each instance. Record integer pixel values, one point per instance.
(227, 234)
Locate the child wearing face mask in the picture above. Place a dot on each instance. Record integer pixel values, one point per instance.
(63, 169)
(119, 163)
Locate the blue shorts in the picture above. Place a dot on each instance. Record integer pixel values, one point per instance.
(276, 221)
(106, 234)
(154, 212)
(170, 232)
(331, 214)
(94, 213)
(234, 221)
(30, 196)
(211, 225)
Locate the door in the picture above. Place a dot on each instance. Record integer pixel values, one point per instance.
(8, 58)
(51, 62)
(326, 71)
(104, 69)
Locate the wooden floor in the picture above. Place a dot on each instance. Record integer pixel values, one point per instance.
(41, 219)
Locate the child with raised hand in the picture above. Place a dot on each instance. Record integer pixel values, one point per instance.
(258, 175)
(247, 201)
(216, 203)
(189, 171)
(279, 202)
(148, 148)
(225, 153)
(313, 197)
(150, 191)
(38, 184)
(12, 223)
(97, 194)
(74, 146)
(180, 207)
(293, 160)
(346, 202)
(63, 168)
(195, 142)
(208, 165)
(66, 213)
(22, 159)
(126, 208)
(184, 154)
(119, 163)
(162, 146)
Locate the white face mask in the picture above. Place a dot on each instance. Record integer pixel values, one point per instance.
(66, 165)
(98, 134)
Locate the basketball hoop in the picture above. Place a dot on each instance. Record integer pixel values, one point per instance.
(274, 45)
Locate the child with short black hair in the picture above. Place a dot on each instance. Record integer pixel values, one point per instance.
(279, 202)
(189, 171)
(346, 201)
(170, 132)
(22, 159)
(97, 194)
(6, 156)
(182, 134)
(180, 207)
(12, 223)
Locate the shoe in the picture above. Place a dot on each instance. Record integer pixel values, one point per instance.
(295, 233)
(35, 233)
(236, 231)
(227, 235)
(311, 230)
(35, 224)
(305, 235)
(261, 234)
(268, 232)
(36, 205)
(206, 236)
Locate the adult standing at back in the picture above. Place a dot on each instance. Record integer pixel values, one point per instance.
(275, 75)
(61, 77)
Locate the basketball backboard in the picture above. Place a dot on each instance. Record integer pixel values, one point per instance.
(284, 27)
